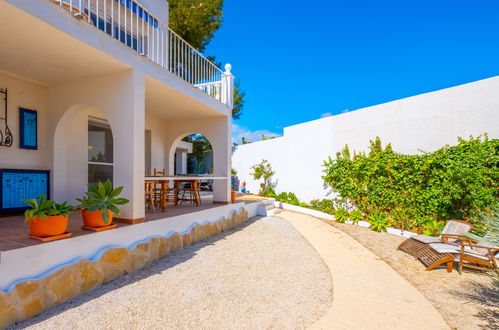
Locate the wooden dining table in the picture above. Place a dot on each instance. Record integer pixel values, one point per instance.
(178, 180)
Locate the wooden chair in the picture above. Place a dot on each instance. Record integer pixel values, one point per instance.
(478, 255)
(150, 195)
(450, 235)
(471, 252)
(158, 187)
(188, 191)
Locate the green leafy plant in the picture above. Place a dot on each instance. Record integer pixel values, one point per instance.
(378, 221)
(288, 197)
(282, 197)
(490, 221)
(341, 215)
(264, 171)
(42, 208)
(433, 228)
(453, 182)
(270, 193)
(102, 197)
(356, 216)
(323, 205)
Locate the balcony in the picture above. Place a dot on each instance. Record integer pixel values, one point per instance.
(138, 29)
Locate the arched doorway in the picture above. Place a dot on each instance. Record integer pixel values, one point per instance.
(83, 151)
(193, 155)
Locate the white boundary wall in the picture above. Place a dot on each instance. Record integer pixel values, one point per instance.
(424, 122)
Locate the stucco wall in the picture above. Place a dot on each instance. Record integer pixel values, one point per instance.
(424, 122)
(159, 149)
(31, 96)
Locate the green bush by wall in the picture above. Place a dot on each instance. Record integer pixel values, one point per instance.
(454, 182)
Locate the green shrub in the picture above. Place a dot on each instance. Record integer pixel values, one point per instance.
(263, 170)
(356, 216)
(282, 197)
(433, 228)
(289, 198)
(491, 225)
(378, 221)
(454, 182)
(323, 205)
(270, 193)
(341, 215)
(292, 199)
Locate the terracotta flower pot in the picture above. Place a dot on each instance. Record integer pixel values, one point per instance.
(94, 219)
(50, 226)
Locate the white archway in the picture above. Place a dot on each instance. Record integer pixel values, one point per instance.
(176, 151)
(70, 157)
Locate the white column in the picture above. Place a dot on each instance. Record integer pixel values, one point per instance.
(129, 147)
(222, 161)
(228, 87)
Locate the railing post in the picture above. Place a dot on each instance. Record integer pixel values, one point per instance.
(228, 87)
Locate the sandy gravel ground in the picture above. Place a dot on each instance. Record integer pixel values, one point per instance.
(262, 275)
(465, 301)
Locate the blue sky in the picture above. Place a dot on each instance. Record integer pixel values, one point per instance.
(298, 61)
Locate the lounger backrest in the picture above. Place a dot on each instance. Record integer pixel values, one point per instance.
(456, 227)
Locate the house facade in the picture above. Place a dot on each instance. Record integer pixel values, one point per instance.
(114, 91)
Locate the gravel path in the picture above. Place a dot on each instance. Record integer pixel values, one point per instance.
(261, 275)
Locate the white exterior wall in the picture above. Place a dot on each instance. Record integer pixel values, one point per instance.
(159, 149)
(424, 122)
(30, 96)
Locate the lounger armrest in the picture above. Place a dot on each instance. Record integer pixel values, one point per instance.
(492, 250)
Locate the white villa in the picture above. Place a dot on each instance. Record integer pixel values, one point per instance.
(93, 90)
(110, 70)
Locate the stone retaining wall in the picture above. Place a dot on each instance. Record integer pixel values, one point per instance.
(33, 297)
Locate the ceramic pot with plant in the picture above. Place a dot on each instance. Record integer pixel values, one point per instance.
(46, 218)
(100, 204)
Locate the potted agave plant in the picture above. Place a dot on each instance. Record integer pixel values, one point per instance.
(46, 218)
(100, 203)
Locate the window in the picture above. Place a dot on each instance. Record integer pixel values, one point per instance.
(100, 151)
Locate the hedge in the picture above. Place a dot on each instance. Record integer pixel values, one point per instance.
(454, 182)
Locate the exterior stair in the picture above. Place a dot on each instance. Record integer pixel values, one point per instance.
(265, 208)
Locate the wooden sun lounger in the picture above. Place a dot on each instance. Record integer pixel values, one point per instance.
(471, 255)
(419, 244)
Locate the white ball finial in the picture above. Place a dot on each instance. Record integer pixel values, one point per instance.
(228, 67)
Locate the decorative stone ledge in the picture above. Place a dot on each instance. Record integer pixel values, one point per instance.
(31, 298)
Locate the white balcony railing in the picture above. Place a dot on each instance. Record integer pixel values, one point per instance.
(130, 23)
